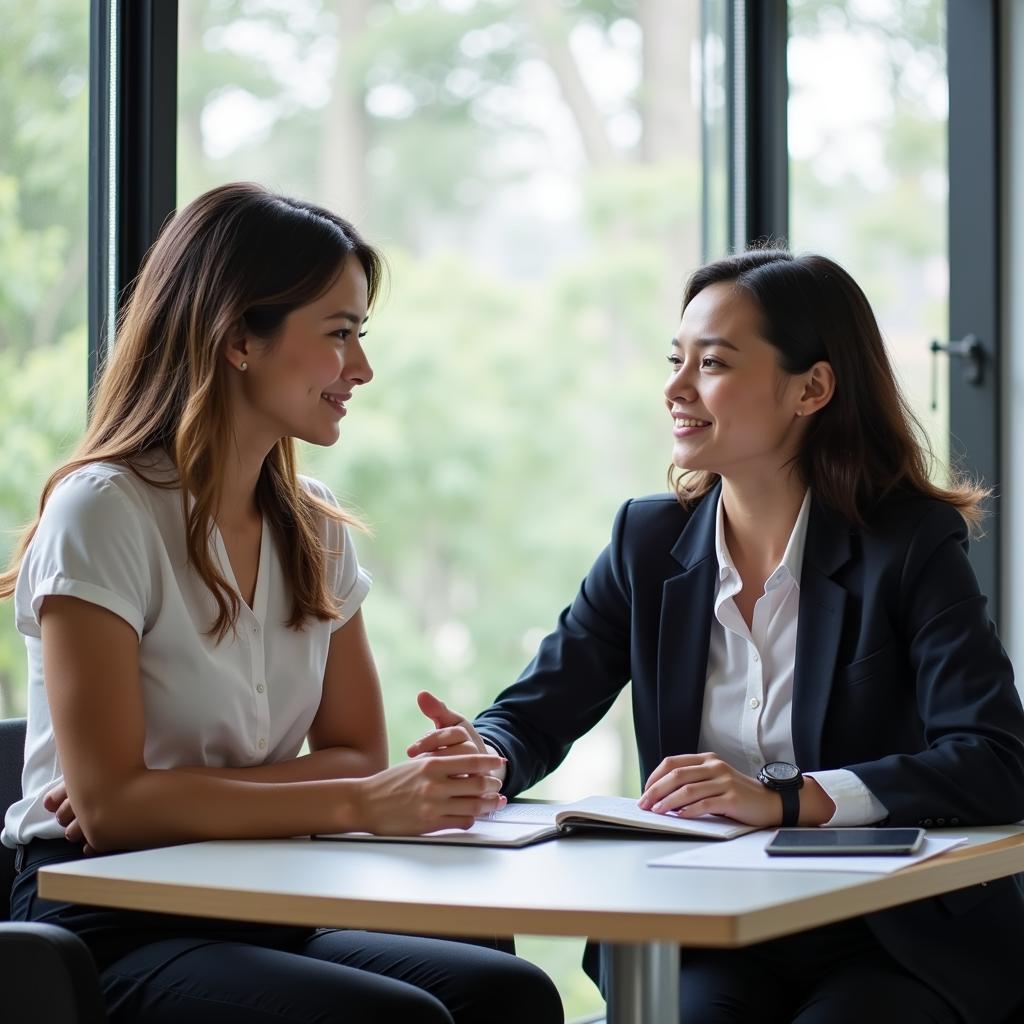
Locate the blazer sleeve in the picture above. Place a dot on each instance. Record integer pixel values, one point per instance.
(971, 771)
(574, 678)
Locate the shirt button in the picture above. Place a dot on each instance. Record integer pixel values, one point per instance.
(262, 744)
(754, 702)
(260, 687)
(755, 658)
(255, 629)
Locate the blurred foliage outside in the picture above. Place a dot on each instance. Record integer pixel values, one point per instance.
(533, 172)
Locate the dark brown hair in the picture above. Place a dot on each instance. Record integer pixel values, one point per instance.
(866, 443)
(238, 256)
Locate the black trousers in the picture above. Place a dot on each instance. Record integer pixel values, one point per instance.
(163, 969)
(838, 974)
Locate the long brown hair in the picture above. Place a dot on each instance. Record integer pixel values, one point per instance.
(237, 257)
(866, 443)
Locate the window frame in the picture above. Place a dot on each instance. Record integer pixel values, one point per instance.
(760, 210)
(133, 109)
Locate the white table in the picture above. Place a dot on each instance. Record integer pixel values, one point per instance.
(601, 888)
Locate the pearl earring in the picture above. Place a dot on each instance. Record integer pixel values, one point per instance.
(244, 366)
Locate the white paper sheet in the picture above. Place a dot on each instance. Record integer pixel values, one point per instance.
(747, 853)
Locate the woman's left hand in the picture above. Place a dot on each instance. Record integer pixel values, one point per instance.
(57, 801)
(696, 784)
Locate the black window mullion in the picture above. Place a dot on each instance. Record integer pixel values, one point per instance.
(759, 88)
(767, 98)
(102, 244)
(132, 149)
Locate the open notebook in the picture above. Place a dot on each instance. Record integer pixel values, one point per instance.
(519, 824)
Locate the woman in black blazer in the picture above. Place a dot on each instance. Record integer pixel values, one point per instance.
(804, 597)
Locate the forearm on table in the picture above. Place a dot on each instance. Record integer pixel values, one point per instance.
(316, 766)
(163, 807)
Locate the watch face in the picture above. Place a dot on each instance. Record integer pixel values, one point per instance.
(781, 771)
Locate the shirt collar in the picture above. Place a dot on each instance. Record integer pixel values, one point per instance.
(792, 558)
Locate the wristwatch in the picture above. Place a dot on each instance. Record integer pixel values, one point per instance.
(786, 779)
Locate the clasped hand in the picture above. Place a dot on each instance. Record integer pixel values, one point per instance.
(416, 797)
(453, 734)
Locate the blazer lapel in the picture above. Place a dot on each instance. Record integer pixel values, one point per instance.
(822, 603)
(685, 629)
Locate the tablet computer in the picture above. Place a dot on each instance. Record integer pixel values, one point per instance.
(820, 842)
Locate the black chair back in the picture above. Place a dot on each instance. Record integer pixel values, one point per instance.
(12, 760)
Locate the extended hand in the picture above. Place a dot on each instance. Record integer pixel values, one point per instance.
(431, 793)
(57, 801)
(453, 734)
(696, 784)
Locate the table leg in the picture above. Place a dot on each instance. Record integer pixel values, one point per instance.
(643, 982)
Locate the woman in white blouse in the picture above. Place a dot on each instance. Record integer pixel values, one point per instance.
(190, 607)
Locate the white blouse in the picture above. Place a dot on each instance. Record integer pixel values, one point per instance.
(747, 717)
(110, 538)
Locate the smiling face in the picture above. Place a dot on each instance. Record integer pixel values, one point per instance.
(734, 411)
(298, 383)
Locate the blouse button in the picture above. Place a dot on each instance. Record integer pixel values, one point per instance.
(262, 744)
(755, 658)
(754, 702)
(260, 687)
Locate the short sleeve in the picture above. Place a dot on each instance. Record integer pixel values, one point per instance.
(90, 544)
(351, 581)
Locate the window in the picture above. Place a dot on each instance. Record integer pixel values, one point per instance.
(44, 63)
(533, 172)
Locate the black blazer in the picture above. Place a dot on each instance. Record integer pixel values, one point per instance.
(899, 677)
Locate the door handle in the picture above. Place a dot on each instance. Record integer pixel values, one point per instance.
(969, 348)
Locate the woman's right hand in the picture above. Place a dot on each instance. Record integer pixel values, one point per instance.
(58, 802)
(428, 794)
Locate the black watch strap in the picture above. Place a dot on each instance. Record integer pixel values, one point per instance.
(790, 806)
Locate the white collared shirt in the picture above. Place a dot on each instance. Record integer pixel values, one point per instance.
(748, 694)
(111, 539)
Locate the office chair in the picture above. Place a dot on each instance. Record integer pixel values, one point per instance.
(46, 973)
